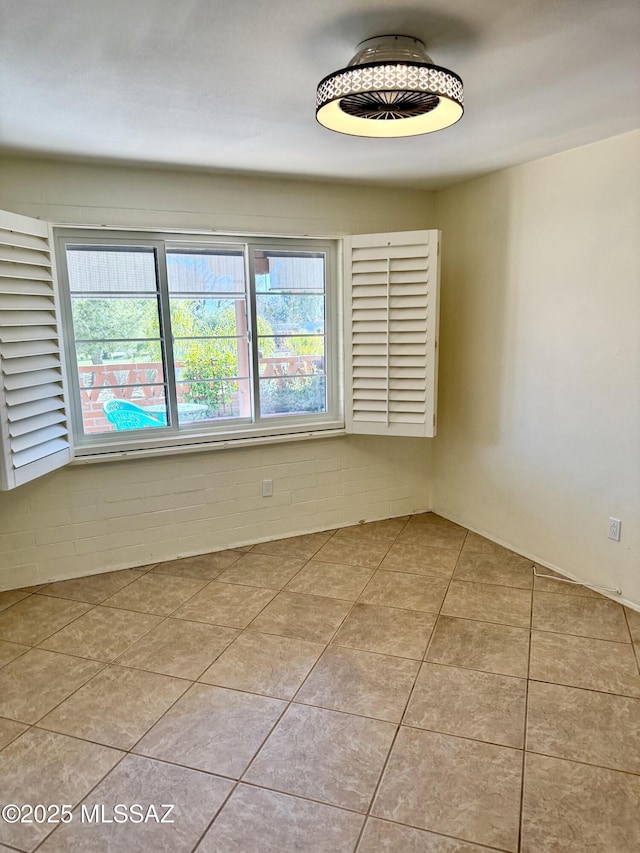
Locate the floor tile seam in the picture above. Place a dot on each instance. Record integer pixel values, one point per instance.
(404, 571)
(583, 689)
(423, 539)
(359, 715)
(95, 575)
(399, 725)
(417, 728)
(389, 547)
(241, 690)
(290, 702)
(19, 655)
(15, 737)
(159, 624)
(190, 684)
(421, 828)
(457, 838)
(204, 586)
(37, 722)
(215, 816)
(471, 669)
(498, 585)
(589, 689)
(635, 774)
(492, 583)
(410, 574)
(326, 562)
(635, 646)
(272, 599)
(13, 603)
(15, 849)
(90, 607)
(439, 613)
(183, 576)
(101, 660)
(172, 613)
(419, 660)
(84, 796)
(365, 539)
(376, 788)
(446, 592)
(346, 563)
(205, 668)
(279, 557)
(368, 652)
(524, 627)
(288, 556)
(303, 798)
(526, 729)
(482, 621)
(537, 630)
(593, 599)
(584, 636)
(395, 737)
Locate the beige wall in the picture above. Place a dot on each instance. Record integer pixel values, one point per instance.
(539, 411)
(539, 414)
(111, 515)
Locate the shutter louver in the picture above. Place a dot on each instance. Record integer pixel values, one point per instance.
(34, 437)
(391, 291)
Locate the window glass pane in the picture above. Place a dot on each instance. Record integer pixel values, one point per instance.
(123, 354)
(292, 395)
(211, 401)
(118, 346)
(289, 271)
(292, 312)
(290, 306)
(118, 318)
(292, 356)
(132, 361)
(205, 271)
(207, 317)
(111, 408)
(106, 269)
(211, 352)
(208, 358)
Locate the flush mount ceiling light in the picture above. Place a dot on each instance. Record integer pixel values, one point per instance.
(390, 88)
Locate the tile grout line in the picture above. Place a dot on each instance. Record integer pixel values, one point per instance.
(237, 781)
(634, 646)
(294, 701)
(399, 725)
(327, 644)
(525, 731)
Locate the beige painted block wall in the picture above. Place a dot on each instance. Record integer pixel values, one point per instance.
(539, 410)
(89, 518)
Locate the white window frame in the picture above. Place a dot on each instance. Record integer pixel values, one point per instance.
(211, 433)
(387, 348)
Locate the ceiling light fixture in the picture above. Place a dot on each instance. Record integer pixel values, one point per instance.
(390, 88)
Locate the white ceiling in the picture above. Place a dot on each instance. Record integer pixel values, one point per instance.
(229, 85)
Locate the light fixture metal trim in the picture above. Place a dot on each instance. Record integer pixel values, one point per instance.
(400, 92)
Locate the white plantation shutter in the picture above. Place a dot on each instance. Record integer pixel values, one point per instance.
(391, 311)
(34, 436)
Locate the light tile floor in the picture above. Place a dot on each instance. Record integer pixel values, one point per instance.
(402, 686)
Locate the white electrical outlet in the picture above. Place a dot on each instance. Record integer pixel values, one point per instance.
(614, 529)
(267, 488)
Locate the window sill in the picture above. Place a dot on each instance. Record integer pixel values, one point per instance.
(87, 456)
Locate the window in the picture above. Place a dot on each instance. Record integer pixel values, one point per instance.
(175, 341)
(171, 341)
